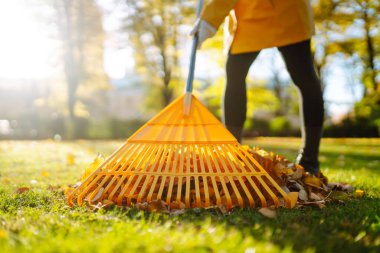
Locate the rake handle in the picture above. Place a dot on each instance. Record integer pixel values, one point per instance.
(190, 78)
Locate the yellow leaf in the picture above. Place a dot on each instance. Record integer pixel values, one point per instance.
(3, 234)
(68, 190)
(293, 196)
(313, 181)
(5, 180)
(45, 174)
(70, 159)
(359, 194)
(92, 167)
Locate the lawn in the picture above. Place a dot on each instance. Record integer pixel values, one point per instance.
(39, 220)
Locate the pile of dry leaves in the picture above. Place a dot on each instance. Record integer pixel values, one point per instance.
(303, 189)
(312, 190)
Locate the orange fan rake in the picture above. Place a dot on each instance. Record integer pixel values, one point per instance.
(183, 156)
(178, 158)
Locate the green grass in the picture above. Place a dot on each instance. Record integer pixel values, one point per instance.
(40, 220)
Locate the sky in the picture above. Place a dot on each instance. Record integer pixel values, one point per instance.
(26, 51)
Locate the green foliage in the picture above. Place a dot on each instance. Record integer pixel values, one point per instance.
(278, 126)
(363, 122)
(350, 27)
(42, 215)
(156, 36)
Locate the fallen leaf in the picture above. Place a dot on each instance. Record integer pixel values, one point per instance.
(178, 212)
(269, 213)
(107, 203)
(339, 195)
(319, 204)
(157, 206)
(223, 208)
(142, 206)
(5, 180)
(3, 234)
(359, 194)
(302, 195)
(99, 159)
(314, 196)
(22, 190)
(348, 188)
(293, 196)
(285, 189)
(312, 181)
(177, 205)
(45, 174)
(297, 174)
(54, 188)
(70, 159)
(68, 190)
(98, 194)
(279, 169)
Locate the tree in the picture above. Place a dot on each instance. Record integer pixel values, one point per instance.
(76, 25)
(154, 28)
(351, 27)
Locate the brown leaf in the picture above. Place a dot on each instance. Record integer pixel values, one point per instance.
(297, 174)
(314, 196)
(279, 169)
(319, 204)
(223, 209)
(142, 206)
(158, 206)
(54, 188)
(269, 213)
(21, 190)
(177, 205)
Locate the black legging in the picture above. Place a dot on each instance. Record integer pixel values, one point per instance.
(299, 63)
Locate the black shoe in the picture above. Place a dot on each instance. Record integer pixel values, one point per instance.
(310, 165)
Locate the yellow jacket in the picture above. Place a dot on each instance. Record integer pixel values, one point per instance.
(258, 24)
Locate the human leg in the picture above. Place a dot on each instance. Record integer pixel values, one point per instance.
(299, 62)
(235, 93)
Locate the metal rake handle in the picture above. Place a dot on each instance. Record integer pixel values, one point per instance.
(190, 77)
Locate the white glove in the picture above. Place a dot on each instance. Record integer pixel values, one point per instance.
(204, 31)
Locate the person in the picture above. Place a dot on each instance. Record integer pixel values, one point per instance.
(253, 25)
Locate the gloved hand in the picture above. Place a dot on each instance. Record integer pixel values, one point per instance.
(204, 31)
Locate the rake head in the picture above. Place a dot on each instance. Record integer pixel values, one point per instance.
(189, 159)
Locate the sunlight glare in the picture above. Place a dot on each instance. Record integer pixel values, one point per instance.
(25, 49)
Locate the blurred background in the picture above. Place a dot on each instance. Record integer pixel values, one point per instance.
(97, 69)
